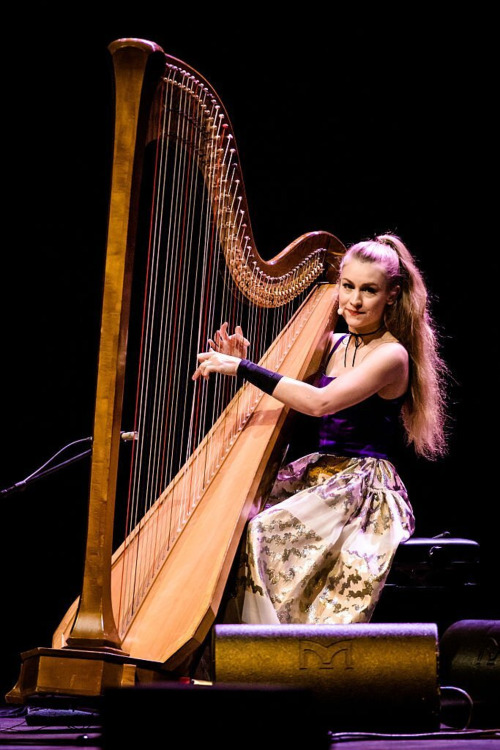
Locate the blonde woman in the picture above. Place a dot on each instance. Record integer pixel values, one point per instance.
(322, 549)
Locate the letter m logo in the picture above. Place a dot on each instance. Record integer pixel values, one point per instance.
(314, 655)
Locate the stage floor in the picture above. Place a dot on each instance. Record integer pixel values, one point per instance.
(25, 727)
(18, 728)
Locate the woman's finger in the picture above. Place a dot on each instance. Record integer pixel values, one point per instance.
(239, 331)
(202, 370)
(202, 356)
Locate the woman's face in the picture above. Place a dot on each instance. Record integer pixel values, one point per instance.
(363, 295)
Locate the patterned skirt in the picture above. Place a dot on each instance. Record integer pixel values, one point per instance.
(321, 550)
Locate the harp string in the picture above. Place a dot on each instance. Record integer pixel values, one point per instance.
(199, 212)
(132, 507)
(180, 290)
(138, 457)
(171, 341)
(173, 309)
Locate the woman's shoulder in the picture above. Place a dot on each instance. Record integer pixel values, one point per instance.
(391, 352)
(396, 364)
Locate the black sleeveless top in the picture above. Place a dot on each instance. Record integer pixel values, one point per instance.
(369, 428)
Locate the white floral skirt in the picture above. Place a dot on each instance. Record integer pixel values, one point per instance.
(321, 550)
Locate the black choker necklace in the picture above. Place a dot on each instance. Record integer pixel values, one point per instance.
(358, 340)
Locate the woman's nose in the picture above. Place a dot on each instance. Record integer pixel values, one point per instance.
(356, 298)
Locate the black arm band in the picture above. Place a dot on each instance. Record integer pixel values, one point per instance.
(264, 379)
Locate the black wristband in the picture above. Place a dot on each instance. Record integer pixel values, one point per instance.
(264, 379)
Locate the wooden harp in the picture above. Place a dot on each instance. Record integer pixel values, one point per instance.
(181, 258)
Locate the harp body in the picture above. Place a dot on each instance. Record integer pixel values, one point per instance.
(109, 637)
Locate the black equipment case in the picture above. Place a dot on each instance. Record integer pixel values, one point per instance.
(432, 579)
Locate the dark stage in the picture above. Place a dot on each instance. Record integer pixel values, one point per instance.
(351, 126)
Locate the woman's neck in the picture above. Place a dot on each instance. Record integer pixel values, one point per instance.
(375, 332)
(361, 338)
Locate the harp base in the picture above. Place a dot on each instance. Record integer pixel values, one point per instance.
(80, 674)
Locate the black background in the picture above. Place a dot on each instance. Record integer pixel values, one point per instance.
(351, 125)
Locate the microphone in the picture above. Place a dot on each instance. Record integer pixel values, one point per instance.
(128, 436)
(340, 310)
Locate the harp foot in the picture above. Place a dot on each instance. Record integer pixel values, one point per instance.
(77, 674)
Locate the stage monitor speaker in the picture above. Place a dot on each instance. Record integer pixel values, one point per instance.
(364, 677)
(174, 716)
(470, 660)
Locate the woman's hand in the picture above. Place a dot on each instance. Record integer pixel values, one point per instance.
(214, 362)
(236, 345)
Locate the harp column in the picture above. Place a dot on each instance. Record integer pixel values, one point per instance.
(138, 66)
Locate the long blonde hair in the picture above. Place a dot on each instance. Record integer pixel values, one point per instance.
(409, 320)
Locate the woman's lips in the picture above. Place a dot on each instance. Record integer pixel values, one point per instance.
(354, 312)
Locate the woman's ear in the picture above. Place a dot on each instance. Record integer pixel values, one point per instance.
(393, 294)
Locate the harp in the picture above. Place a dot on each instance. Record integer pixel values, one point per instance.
(192, 460)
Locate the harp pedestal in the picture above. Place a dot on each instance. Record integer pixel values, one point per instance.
(77, 673)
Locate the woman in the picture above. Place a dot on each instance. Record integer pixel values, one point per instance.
(321, 550)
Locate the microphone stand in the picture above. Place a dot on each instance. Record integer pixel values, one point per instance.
(40, 474)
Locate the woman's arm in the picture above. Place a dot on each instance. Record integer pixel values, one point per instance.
(384, 366)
